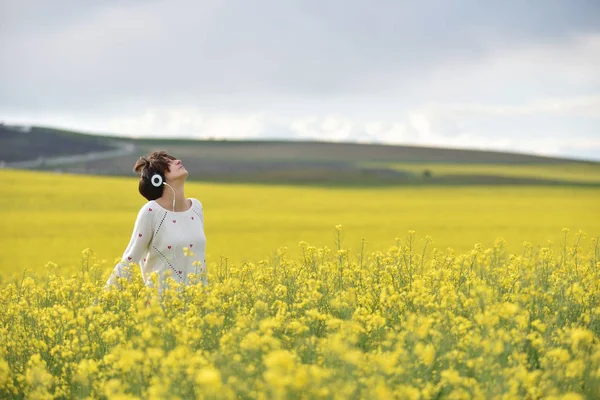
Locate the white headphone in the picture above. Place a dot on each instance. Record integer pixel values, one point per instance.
(157, 181)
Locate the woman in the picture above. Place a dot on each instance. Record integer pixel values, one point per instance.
(168, 236)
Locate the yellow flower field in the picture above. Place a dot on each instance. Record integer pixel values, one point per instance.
(52, 217)
(572, 172)
(499, 302)
(408, 323)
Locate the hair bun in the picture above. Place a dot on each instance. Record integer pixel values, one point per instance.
(141, 165)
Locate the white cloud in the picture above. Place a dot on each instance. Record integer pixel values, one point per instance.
(152, 69)
(585, 106)
(304, 128)
(523, 73)
(189, 122)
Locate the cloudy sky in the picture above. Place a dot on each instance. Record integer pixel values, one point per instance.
(509, 75)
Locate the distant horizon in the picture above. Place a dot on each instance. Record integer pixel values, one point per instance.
(284, 139)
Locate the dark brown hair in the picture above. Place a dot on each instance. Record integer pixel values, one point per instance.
(156, 162)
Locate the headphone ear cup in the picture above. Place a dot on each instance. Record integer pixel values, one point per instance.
(156, 180)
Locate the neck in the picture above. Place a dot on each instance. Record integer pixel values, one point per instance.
(166, 200)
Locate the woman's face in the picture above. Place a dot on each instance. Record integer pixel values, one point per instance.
(176, 171)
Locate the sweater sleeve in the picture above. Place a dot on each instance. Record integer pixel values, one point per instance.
(201, 212)
(138, 246)
(205, 274)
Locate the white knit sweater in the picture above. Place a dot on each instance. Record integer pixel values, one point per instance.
(166, 242)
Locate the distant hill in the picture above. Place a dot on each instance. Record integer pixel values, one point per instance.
(290, 162)
(28, 143)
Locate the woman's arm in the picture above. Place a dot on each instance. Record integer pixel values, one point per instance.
(138, 246)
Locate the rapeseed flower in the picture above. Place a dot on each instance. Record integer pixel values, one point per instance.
(404, 323)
